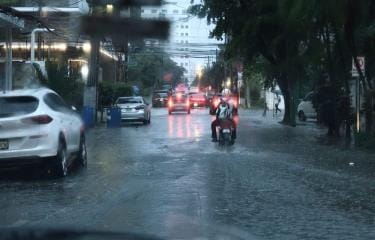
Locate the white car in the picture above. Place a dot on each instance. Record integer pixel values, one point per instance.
(306, 108)
(134, 109)
(37, 127)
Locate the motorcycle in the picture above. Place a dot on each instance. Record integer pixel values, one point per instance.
(225, 133)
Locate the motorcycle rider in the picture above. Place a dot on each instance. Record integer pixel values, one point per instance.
(224, 111)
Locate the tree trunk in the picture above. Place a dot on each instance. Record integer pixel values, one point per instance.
(287, 90)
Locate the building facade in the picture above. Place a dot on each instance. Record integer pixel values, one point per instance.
(189, 44)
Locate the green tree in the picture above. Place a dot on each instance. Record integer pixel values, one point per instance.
(154, 68)
(68, 85)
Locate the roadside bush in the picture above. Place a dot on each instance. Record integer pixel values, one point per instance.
(110, 91)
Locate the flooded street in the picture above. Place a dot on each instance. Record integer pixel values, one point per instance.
(168, 179)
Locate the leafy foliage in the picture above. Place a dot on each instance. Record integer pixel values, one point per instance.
(305, 43)
(153, 68)
(68, 85)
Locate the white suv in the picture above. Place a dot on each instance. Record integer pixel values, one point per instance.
(306, 108)
(36, 126)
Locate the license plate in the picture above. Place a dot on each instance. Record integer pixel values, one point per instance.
(4, 144)
(226, 131)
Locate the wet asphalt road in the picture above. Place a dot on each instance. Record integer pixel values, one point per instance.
(168, 179)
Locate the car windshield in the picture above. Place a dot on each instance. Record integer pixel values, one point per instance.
(16, 106)
(128, 100)
(127, 133)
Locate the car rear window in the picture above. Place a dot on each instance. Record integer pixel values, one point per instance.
(16, 106)
(197, 95)
(182, 97)
(163, 94)
(128, 100)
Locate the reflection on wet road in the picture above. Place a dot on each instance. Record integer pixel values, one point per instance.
(168, 179)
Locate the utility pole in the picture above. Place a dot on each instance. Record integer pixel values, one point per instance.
(9, 60)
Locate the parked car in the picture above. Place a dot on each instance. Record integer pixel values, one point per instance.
(160, 98)
(38, 127)
(179, 102)
(134, 109)
(306, 108)
(198, 100)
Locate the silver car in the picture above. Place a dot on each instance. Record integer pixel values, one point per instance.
(37, 127)
(134, 109)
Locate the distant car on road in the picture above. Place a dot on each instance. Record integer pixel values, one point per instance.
(198, 100)
(38, 127)
(160, 98)
(306, 108)
(179, 102)
(134, 109)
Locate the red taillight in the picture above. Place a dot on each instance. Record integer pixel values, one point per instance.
(234, 102)
(216, 102)
(40, 119)
(170, 103)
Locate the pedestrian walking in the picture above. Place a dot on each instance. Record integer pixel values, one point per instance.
(277, 109)
(265, 108)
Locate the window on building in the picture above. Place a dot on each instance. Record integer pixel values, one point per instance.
(164, 11)
(175, 11)
(181, 64)
(186, 34)
(186, 64)
(153, 11)
(182, 34)
(186, 41)
(187, 26)
(142, 11)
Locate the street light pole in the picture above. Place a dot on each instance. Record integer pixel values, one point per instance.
(32, 47)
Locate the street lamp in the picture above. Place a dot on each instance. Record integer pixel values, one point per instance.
(109, 8)
(228, 83)
(85, 72)
(32, 48)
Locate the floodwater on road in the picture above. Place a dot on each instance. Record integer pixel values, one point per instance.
(169, 179)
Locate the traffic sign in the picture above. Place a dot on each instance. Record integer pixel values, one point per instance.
(361, 62)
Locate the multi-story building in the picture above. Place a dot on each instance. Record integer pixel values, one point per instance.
(189, 44)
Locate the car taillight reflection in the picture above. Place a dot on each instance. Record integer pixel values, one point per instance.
(40, 119)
